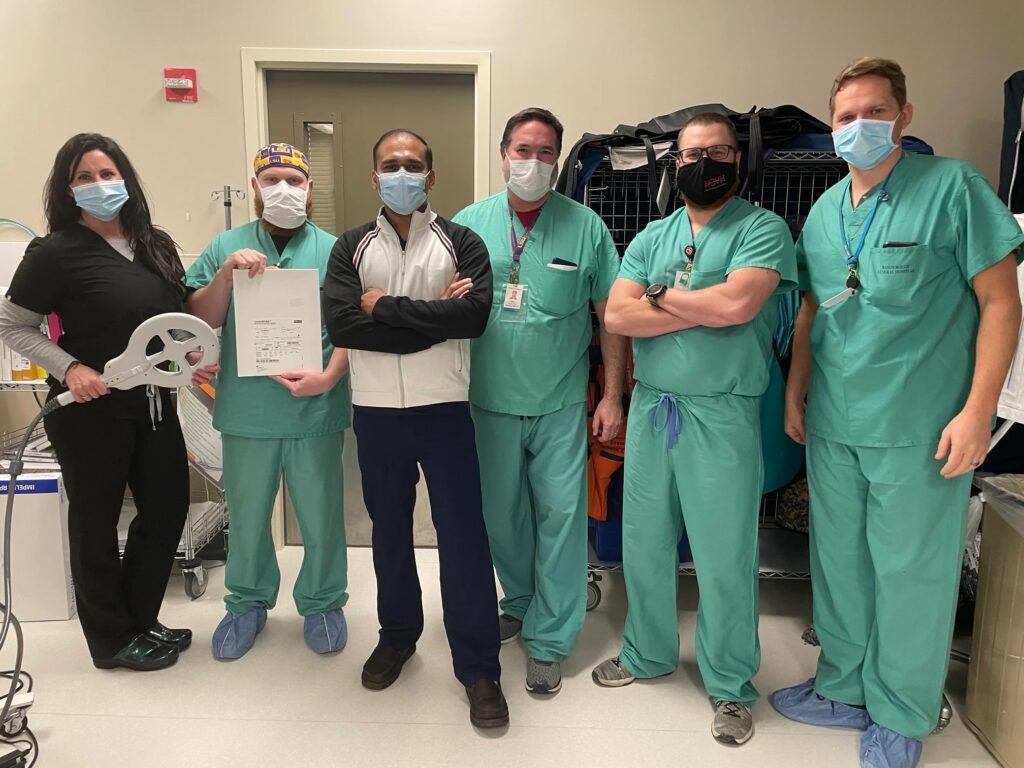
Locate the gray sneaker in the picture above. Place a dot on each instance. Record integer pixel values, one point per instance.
(733, 724)
(509, 628)
(543, 676)
(612, 674)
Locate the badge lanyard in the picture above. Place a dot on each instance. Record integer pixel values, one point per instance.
(683, 276)
(690, 252)
(518, 244)
(853, 259)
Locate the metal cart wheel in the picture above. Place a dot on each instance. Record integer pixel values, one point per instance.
(593, 592)
(810, 636)
(195, 577)
(945, 715)
(15, 724)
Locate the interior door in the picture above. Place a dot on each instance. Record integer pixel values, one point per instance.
(335, 118)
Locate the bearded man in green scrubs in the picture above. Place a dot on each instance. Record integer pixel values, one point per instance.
(553, 259)
(294, 423)
(697, 292)
(902, 345)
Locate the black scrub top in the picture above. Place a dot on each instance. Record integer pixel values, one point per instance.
(100, 296)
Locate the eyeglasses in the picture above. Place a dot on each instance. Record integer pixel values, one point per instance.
(715, 152)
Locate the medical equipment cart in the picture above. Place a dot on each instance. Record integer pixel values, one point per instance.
(793, 180)
(207, 515)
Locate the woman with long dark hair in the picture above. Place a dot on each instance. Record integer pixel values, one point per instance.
(103, 269)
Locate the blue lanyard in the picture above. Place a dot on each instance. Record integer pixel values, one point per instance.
(853, 259)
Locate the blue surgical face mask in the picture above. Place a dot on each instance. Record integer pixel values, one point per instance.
(403, 192)
(102, 199)
(865, 143)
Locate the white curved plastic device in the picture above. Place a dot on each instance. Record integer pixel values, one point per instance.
(135, 367)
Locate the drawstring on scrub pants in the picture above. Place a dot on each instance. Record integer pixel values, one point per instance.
(156, 406)
(673, 421)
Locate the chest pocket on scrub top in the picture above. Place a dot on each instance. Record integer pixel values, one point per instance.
(704, 278)
(899, 277)
(557, 292)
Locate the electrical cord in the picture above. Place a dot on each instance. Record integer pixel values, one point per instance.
(15, 674)
(9, 620)
(21, 683)
(19, 225)
(31, 743)
(16, 468)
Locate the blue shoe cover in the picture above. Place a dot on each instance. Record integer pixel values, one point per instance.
(326, 632)
(803, 704)
(235, 635)
(882, 748)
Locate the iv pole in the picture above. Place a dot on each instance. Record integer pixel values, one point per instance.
(227, 194)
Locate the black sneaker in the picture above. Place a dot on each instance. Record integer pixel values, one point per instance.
(384, 666)
(487, 705)
(509, 628)
(733, 724)
(543, 677)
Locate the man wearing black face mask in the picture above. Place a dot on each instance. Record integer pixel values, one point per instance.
(696, 291)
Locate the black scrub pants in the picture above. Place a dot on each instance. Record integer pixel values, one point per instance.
(103, 446)
(441, 439)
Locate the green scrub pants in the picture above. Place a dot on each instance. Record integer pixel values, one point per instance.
(710, 480)
(887, 540)
(534, 478)
(252, 476)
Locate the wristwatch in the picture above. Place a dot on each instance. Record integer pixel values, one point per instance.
(655, 292)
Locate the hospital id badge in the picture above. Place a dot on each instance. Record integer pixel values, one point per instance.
(839, 298)
(682, 280)
(513, 308)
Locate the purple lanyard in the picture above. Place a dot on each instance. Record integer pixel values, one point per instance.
(518, 244)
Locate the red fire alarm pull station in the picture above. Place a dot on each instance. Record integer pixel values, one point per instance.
(181, 85)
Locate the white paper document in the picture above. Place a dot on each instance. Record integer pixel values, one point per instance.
(277, 321)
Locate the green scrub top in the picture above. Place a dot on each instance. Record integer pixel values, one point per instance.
(534, 361)
(894, 364)
(257, 406)
(702, 361)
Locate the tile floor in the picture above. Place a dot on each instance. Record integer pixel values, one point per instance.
(282, 705)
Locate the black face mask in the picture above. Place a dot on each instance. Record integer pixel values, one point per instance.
(707, 181)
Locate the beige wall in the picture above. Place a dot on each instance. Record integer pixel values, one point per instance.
(97, 65)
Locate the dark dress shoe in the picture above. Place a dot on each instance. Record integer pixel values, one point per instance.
(487, 706)
(143, 654)
(384, 666)
(182, 638)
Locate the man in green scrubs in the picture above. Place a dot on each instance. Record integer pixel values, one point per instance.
(552, 259)
(904, 339)
(293, 423)
(696, 290)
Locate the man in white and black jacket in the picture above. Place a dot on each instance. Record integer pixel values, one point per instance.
(405, 294)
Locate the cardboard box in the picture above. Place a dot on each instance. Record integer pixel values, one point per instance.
(995, 679)
(41, 588)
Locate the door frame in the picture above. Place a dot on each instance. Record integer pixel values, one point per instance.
(256, 62)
